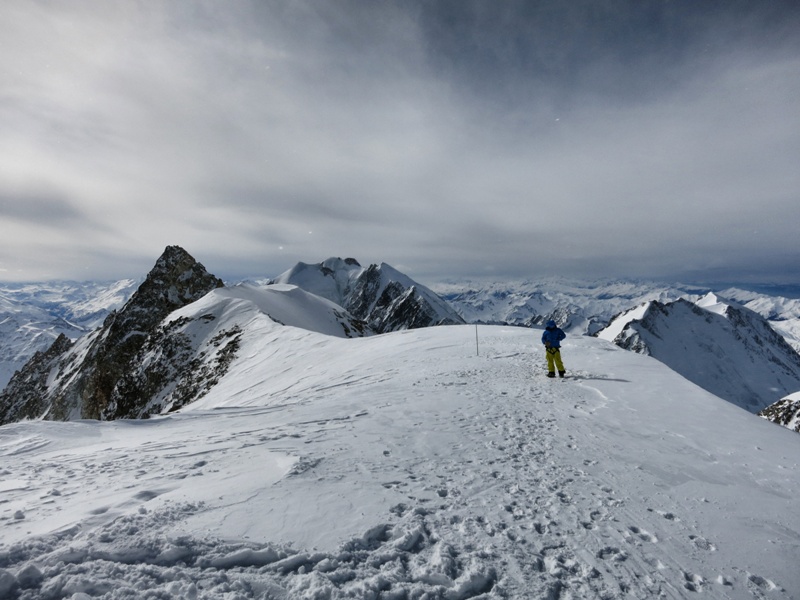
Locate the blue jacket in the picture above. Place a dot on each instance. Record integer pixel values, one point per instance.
(552, 336)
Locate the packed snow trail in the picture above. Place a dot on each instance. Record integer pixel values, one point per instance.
(407, 466)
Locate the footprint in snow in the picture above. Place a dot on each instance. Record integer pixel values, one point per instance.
(643, 535)
(760, 583)
(390, 485)
(693, 582)
(667, 515)
(612, 553)
(702, 543)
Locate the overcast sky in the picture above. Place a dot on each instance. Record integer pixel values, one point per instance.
(656, 139)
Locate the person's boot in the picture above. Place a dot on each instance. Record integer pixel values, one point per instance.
(561, 373)
(551, 374)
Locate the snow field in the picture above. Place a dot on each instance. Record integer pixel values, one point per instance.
(407, 466)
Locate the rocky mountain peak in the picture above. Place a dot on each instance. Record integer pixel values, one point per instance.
(176, 280)
(87, 381)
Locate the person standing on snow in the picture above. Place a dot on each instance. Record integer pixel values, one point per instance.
(551, 338)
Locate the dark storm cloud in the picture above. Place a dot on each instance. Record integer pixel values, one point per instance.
(450, 137)
(39, 210)
(565, 45)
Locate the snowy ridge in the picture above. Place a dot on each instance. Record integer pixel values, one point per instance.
(588, 306)
(407, 466)
(330, 279)
(209, 334)
(33, 315)
(182, 358)
(284, 304)
(25, 330)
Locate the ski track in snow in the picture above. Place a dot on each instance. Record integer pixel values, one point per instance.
(451, 477)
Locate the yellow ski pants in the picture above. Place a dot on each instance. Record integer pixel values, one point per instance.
(554, 360)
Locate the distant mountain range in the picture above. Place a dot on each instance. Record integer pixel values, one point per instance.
(33, 315)
(588, 306)
(117, 350)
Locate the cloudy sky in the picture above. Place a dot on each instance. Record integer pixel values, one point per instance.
(459, 138)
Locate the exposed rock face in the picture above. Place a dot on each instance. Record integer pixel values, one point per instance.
(176, 280)
(172, 369)
(785, 412)
(25, 397)
(89, 379)
(379, 294)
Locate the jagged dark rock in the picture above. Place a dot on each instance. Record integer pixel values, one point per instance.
(785, 412)
(96, 382)
(176, 280)
(25, 396)
(171, 370)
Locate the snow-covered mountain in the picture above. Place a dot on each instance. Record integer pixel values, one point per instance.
(295, 462)
(407, 466)
(24, 330)
(588, 306)
(379, 294)
(33, 315)
(782, 313)
(724, 348)
(192, 350)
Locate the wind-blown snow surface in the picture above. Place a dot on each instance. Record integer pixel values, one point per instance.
(408, 466)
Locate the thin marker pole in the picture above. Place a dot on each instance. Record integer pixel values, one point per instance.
(477, 348)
